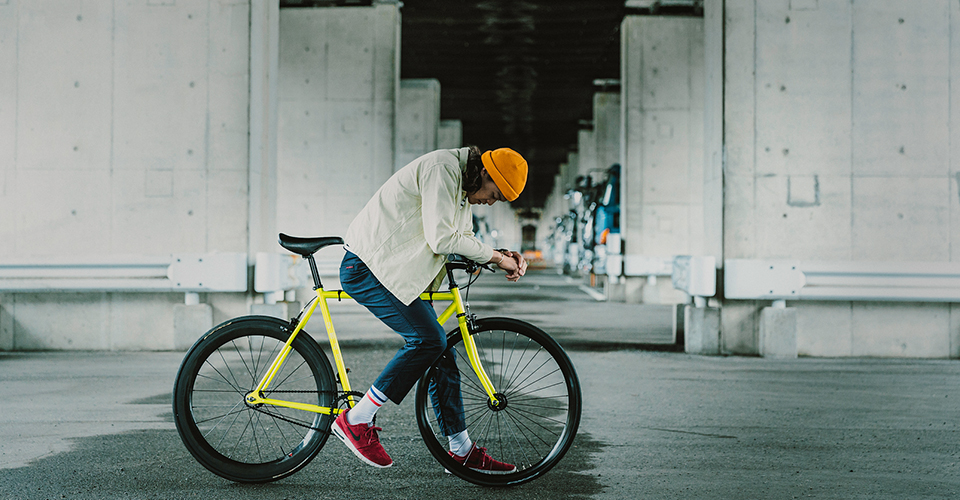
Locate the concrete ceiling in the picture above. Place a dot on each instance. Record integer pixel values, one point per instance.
(516, 73)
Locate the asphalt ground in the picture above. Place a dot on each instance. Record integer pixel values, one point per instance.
(98, 425)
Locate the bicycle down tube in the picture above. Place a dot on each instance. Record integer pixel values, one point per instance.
(256, 397)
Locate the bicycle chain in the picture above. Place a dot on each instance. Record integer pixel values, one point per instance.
(337, 403)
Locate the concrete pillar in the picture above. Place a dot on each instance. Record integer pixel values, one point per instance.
(418, 119)
(554, 207)
(570, 170)
(264, 112)
(450, 134)
(587, 152)
(840, 145)
(339, 70)
(606, 128)
(133, 122)
(713, 130)
(662, 81)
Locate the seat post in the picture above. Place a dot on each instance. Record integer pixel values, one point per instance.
(316, 274)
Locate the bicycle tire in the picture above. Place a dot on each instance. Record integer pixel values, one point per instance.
(237, 441)
(537, 381)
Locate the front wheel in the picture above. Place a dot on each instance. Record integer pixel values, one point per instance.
(539, 400)
(252, 443)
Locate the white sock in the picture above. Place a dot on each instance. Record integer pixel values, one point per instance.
(364, 411)
(460, 443)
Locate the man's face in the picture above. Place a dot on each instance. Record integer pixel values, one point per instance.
(488, 194)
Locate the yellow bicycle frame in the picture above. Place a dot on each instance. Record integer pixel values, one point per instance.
(256, 397)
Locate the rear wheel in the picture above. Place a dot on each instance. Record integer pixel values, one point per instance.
(252, 443)
(539, 412)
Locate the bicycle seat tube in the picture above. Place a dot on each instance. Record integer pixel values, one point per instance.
(255, 397)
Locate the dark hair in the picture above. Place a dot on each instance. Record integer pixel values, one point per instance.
(472, 180)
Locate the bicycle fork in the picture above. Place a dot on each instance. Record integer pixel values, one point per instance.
(471, 346)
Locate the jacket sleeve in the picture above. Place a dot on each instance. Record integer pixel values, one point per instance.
(440, 196)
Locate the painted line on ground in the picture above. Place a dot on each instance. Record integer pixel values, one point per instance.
(599, 297)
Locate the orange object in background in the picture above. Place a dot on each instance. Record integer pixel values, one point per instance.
(534, 259)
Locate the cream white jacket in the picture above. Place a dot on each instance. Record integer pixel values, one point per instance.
(414, 220)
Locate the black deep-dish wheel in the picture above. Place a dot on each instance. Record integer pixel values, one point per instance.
(539, 419)
(246, 443)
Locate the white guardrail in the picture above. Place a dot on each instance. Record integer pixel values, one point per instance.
(188, 273)
(277, 273)
(782, 280)
(695, 275)
(274, 274)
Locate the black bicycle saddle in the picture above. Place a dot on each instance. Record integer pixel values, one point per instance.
(308, 246)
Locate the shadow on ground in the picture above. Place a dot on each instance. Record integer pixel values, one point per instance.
(154, 464)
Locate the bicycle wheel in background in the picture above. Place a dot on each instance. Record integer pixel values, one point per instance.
(540, 398)
(252, 443)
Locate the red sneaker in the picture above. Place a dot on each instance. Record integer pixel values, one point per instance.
(363, 441)
(478, 460)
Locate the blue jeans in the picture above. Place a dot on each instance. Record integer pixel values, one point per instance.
(425, 344)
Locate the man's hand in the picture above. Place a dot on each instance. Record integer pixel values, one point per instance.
(513, 263)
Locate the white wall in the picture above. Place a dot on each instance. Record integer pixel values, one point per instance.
(839, 132)
(339, 70)
(123, 130)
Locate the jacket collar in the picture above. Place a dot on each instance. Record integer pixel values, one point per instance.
(462, 154)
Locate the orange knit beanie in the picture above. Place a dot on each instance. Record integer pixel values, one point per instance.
(508, 170)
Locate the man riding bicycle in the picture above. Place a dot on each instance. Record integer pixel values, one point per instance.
(395, 245)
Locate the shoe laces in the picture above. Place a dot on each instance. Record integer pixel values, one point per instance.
(373, 433)
(479, 452)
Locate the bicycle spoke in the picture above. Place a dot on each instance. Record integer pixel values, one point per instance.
(521, 384)
(525, 435)
(235, 383)
(523, 371)
(265, 431)
(250, 370)
(225, 431)
(292, 372)
(220, 417)
(516, 415)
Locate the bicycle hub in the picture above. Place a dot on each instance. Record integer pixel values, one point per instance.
(501, 403)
